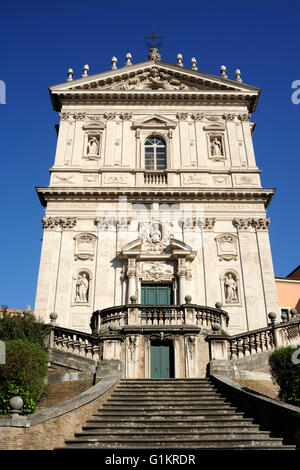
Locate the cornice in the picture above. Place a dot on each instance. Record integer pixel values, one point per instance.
(108, 169)
(140, 97)
(93, 194)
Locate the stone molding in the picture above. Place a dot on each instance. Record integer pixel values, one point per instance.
(255, 195)
(51, 223)
(242, 224)
(209, 223)
(260, 224)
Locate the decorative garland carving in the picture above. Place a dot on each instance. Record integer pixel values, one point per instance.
(209, 223)
(132, 344)
(50, 223)
(191, 343)
(259, 224)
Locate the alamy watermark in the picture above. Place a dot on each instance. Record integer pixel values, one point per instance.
(2, 92)
(296, 94)
(2, 352)
(296, 355)
(168, 218)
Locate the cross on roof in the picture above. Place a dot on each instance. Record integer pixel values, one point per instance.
(153, 37)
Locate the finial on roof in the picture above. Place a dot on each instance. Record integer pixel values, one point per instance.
(194, 63)
(85, 71)
(179, 60)
(223, 71)
(114, 61)
(128, 59)
(70, 75)
(238, 75)
(154, 54)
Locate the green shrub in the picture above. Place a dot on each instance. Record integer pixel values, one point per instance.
(23, 326)
(286, 374)
(23, 374)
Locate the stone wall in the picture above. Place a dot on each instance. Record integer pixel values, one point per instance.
(51, 433)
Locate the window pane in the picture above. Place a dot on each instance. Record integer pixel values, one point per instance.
(159, 142)
(155, 153)
(149, 162)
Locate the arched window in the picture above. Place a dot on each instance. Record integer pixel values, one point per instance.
(155, 154)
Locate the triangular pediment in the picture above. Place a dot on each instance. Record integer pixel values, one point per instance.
(155, 121)
(153, 75)
(157, 79)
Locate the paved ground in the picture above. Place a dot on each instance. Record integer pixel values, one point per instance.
(61, 391)
(261, 386)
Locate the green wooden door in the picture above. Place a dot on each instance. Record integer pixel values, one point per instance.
(161, 360)
(156, 294)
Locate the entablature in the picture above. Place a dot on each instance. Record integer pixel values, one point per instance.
(255, 195)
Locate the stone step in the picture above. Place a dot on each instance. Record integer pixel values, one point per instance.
(167, 401)
(169, 426)
(164, 412)
(178, 389)
(176, 431)
(203, 445)
(176, 381)
(207, 441)
(170, 420)
(170, 414)
(153, 406)
(157, 437)
(174, 394)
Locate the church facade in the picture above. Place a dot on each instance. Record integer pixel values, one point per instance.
(155, 200)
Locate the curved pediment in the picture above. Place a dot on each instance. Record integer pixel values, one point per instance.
(172, 248)
(94, 126)
(179, 245)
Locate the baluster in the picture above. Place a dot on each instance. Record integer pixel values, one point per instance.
(239, 347)
(83, 348)
(247, 346)
(234, 350)
(155, 317)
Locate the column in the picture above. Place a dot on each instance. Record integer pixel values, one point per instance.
(131, 274)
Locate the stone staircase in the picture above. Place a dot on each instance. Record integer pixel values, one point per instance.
(170, 414)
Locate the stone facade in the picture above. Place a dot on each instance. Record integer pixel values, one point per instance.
(155, 182)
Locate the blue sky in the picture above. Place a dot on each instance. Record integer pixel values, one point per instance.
(41, 40)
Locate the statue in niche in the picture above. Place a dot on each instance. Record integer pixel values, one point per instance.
(93, 146)
(216, 147)
(82, 288)
(230, 287)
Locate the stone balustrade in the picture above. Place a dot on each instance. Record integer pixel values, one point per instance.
(76, 342)
(155, 178)
(139, 315)
(234, 347)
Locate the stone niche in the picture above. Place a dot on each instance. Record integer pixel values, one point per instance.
(231, 288)
(93, 136)
(82, 288)
(216, 142)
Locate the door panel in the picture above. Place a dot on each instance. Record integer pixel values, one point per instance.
(162, 361)
(156, 294)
